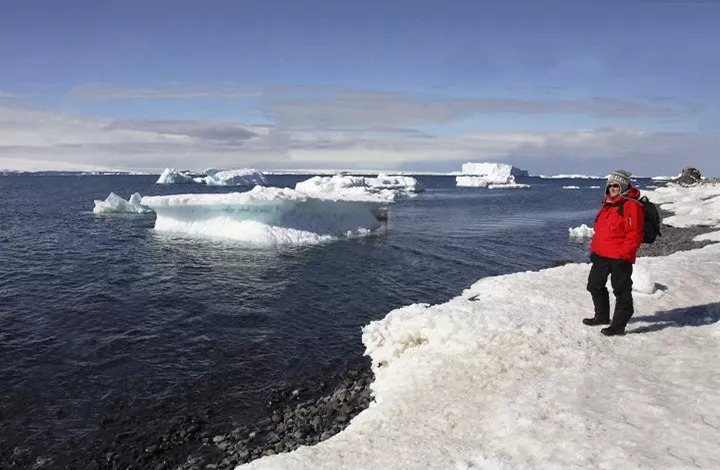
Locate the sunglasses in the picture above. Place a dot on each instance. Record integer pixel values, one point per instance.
(613, 185)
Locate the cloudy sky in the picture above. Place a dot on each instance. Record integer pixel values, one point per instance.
(576, 86)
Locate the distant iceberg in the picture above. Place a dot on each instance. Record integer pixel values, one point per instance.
(488, 175)
(571, 187)
(360, 188)
(172, 176)
(573, 177)
(479, 169)
(264, 216)
(214, 177)
(115, 204)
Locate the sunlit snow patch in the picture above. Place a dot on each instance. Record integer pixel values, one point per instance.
(263, 217)
(115, 204)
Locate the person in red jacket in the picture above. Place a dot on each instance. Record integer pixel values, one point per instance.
(619, 228)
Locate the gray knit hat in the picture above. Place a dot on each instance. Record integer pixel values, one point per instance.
(620, 177)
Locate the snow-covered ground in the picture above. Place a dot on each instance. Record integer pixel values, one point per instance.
(506, 375)
(263, 216)
(115, 204)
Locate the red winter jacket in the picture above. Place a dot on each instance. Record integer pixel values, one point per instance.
(619, 236)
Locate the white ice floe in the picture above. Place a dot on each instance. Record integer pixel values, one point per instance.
(505, 376)
(594, 187)
(488, 175)
(583, 231)
(263, 217)
(214, 177)
(483, 169)
(115, 204)
(666, 178)
(571, 177)
(360, 188)
(712, 236)
(172, 176)
(571, 187)
(242, 177)
(691, 205)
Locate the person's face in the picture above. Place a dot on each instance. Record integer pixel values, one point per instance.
(614, 189)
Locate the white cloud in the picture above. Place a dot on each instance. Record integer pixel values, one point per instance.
(100, 91)
(346, 108)
(135, 144)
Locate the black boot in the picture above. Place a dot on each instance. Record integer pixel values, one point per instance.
(613, 331)
(596, 321)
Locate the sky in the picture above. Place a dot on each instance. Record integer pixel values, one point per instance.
(553, 87)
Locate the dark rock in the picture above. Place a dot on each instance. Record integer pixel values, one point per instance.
(689, 177)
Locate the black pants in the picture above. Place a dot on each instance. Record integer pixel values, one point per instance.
(620, 273)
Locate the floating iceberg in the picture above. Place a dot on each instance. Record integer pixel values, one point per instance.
(115, 204)
(214, 177)
(263, 216)
(488, 175)
(571, 187)
(582, 231)
(383, 189)
(480, 169)
(172, 176)
(243, 177)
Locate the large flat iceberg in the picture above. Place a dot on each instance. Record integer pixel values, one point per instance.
(505, 376)
(263, 216)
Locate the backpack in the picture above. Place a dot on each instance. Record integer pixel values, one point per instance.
(652, 219)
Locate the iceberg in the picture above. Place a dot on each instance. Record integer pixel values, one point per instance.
(571, 187)
(382, 189)
(583, 231)
(263, 217)
(172, 176)
(480, 169)
(115, 204)
(488, 175)
(214, 177)
(242, 177)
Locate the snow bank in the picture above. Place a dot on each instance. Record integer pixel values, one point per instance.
(115, 204)
(214, 177)
(263, 217)
(506, 376)
(691, 205)
(583, 231)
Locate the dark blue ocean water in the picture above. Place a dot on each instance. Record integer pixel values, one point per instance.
(101, 316)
